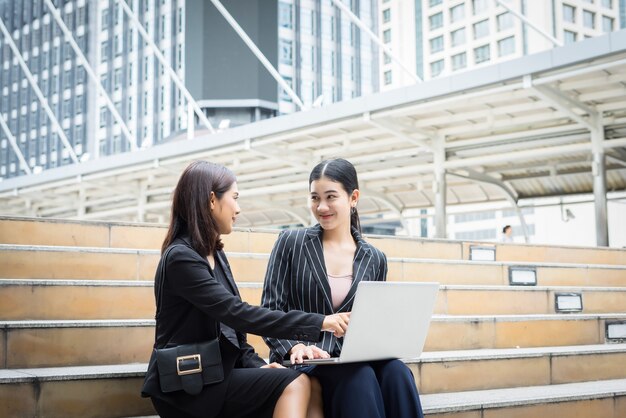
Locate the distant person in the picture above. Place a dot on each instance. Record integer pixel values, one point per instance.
(198, 301)
(507, 234)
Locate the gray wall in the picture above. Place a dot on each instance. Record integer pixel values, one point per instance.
(218, 65)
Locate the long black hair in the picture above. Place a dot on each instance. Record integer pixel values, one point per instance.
(343, 172)
(191, 212)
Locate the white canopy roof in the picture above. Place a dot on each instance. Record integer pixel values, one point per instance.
(519, 129)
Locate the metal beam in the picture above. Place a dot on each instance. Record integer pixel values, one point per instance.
(401, 135)
(509, 192)
(29, 76)
(258, 54)
(564, 104)
(525, 20)
(598, 169)
(355, 19)
(69, 38)
(23, 164)
(439, 188)
(397, 210)
(168, 68)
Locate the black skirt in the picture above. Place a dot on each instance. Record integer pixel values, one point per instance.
(250, 393)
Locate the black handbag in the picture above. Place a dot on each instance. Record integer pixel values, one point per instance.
(187, 367)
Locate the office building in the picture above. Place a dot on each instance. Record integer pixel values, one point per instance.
(316, 49)
(439, 37)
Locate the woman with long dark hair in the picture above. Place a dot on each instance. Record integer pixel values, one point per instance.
(198, 302)
(318, 269)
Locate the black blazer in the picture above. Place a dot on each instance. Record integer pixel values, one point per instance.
(194, 303)
(296, 278)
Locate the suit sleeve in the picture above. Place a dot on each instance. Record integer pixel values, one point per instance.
(249, 357)
(189, 277)
(382, 276)
(276, 289)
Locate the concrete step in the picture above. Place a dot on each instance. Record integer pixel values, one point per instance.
(78, 263)
(74, 392)
(88, 342)
(75, 343)
(90, 299)
(38, 231)
(463, 370)
(83, 391)
(586, 399)
(76, 299)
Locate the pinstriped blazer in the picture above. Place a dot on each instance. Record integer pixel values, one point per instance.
(296, 278)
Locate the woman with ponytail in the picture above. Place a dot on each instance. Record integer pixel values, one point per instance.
(317, 270)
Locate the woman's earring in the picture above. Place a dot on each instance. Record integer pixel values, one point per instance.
(353, 210)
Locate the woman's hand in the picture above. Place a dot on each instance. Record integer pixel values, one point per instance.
(337, 323)
(300, 351)
(273, 366)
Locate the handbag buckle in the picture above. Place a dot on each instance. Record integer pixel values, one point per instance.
(181, 359)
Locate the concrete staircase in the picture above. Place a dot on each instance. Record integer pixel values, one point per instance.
(76, 309)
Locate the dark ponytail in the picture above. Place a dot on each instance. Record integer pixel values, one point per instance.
(343, 172)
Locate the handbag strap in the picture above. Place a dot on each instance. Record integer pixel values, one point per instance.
(161, 279)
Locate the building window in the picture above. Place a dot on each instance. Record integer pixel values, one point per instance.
(505, 21)
(104, 51)
(481, 54)
(163, 26)
(436, 44)
(146, 68)
(459, 61)
(479, 6)
(67, 109)
(119, 45)
(457, 13)
(433, 3)
(607, 4)
(436, 21)
(481, 29)
(286, 52)
(103, 117)
(388, 77)
(588, 19)
(458, 37)
(607, 24)
(285, 15)
(569, 37)
(436, 68)
(105, 18)
(283, 93)
(387, 36)
(386, 15)
(117, 79)
(506, 46)
(569, 13)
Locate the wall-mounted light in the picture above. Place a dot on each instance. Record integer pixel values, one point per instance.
(522, 276)
(482, 253)
(568, 302)
(615, 332)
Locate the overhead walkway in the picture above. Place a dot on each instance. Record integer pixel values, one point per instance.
(494, 348)
(548, 124)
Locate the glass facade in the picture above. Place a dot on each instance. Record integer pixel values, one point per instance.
(324, 54)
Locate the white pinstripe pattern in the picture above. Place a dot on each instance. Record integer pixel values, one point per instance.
(296, 278)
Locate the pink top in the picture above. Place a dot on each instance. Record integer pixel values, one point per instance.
(339, 288)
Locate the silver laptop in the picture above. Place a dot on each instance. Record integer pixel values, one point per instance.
(389, 320)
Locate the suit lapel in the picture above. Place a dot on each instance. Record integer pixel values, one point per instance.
(360, 267)
(221, 258)
(314, 254)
